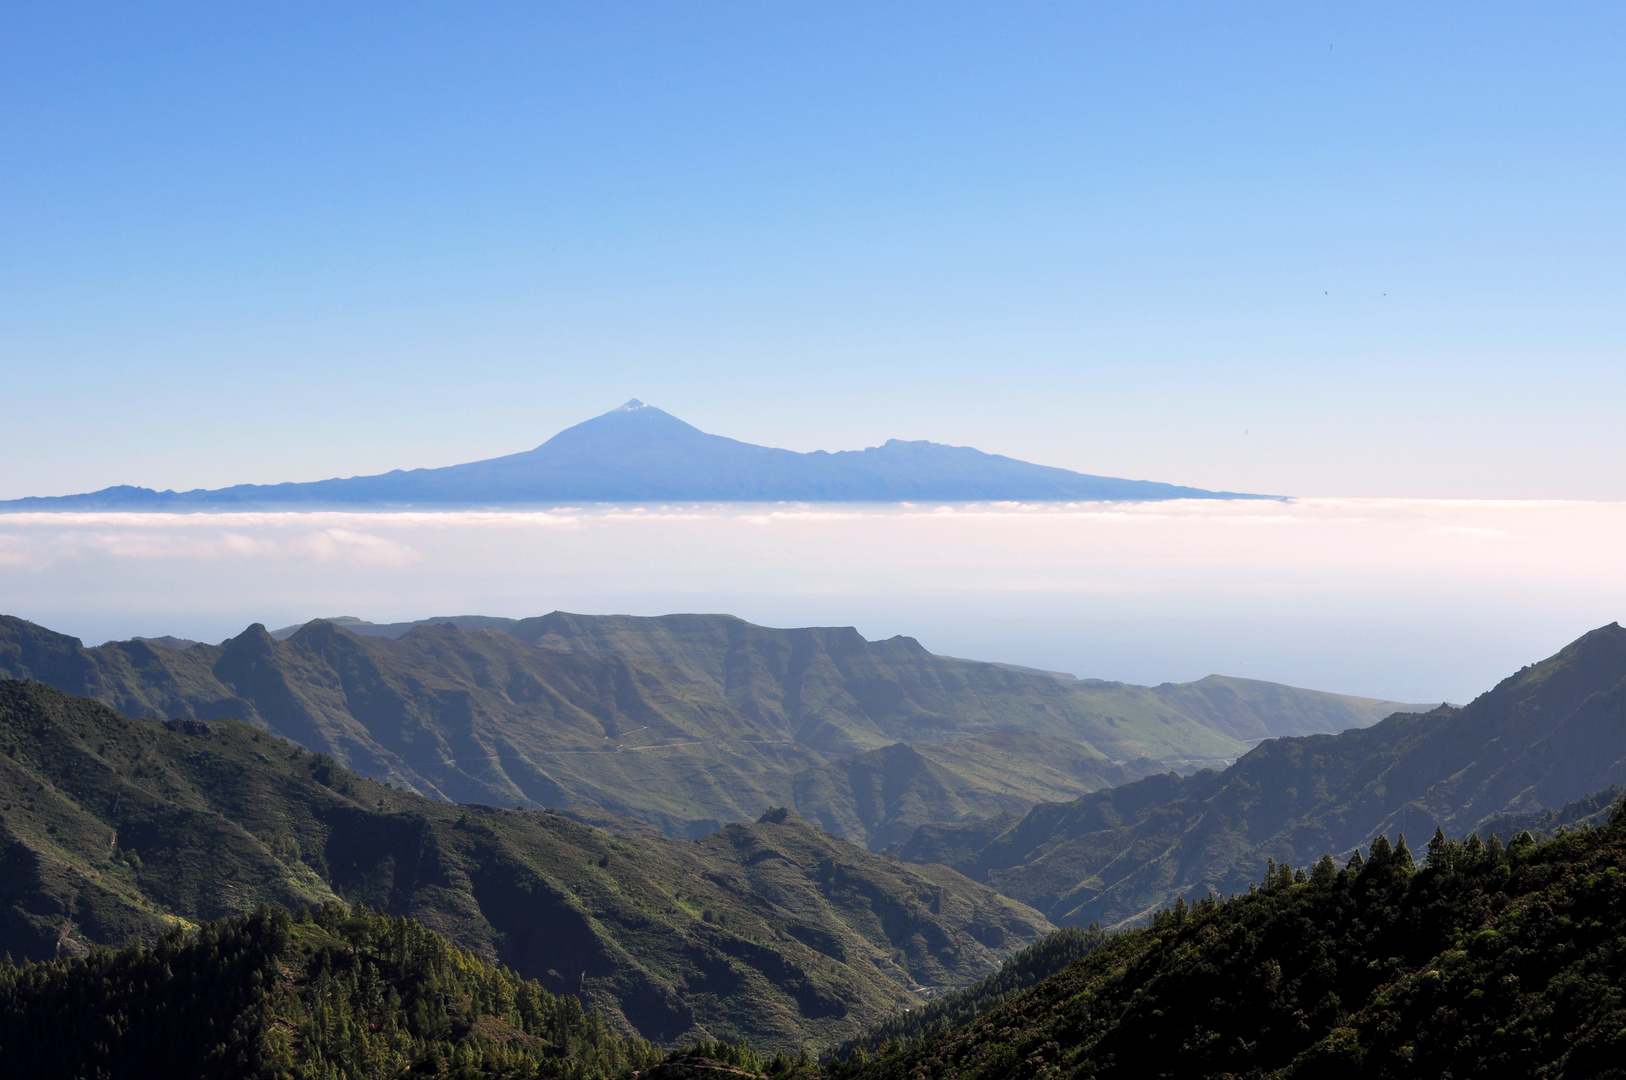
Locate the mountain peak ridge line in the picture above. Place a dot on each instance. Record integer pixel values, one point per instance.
(1548, 736)
(683, 722)
(640, 452)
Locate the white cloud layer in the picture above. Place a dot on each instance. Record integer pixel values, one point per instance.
(1413, 599)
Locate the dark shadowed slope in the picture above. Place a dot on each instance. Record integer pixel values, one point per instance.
(113, 829)
(1552, 733)
(341, 992)
(1486, 963)
(638, 452)
(685, 721)
(1053, 953)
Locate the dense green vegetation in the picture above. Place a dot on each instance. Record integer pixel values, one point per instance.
(685, 722)
(775, 935)
(1026, 968)
(707, 1058)
(114, 829)
(1485, 962)
(336, 993)
(1551, 734)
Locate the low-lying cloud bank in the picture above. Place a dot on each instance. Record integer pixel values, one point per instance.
(1412, 599)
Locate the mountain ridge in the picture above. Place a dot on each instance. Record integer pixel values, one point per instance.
(1550, 734)
(639, 452)
(114, 830)
(685, 722)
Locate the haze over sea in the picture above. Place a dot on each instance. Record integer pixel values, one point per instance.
(1408, 599)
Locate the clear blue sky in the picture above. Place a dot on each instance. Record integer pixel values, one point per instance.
(1362, 249)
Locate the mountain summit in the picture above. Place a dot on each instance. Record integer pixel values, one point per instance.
(638, 452)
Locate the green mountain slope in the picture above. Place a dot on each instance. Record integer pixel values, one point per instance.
(341, 993)
(113, 829)
(1487, 963)
(840, 693)
(1550, 734)
(686, 721)
(1027, 968)
(885, 794)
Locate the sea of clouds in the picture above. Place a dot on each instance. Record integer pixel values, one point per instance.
(1415, 600)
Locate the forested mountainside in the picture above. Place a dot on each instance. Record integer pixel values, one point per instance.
(1488, 962)
(685, 722)
(1550, 734)
(1021, 970)
(332, 993)
(113, 829)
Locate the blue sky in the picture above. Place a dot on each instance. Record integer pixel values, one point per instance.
(1319, 249)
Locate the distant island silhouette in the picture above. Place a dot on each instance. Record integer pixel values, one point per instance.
(640, 453)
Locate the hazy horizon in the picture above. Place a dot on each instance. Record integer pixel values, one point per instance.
(1368, 257)
(1411, 600)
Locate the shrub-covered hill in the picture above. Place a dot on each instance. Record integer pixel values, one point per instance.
(112, 829)
(1486, 962)
(338, 993)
